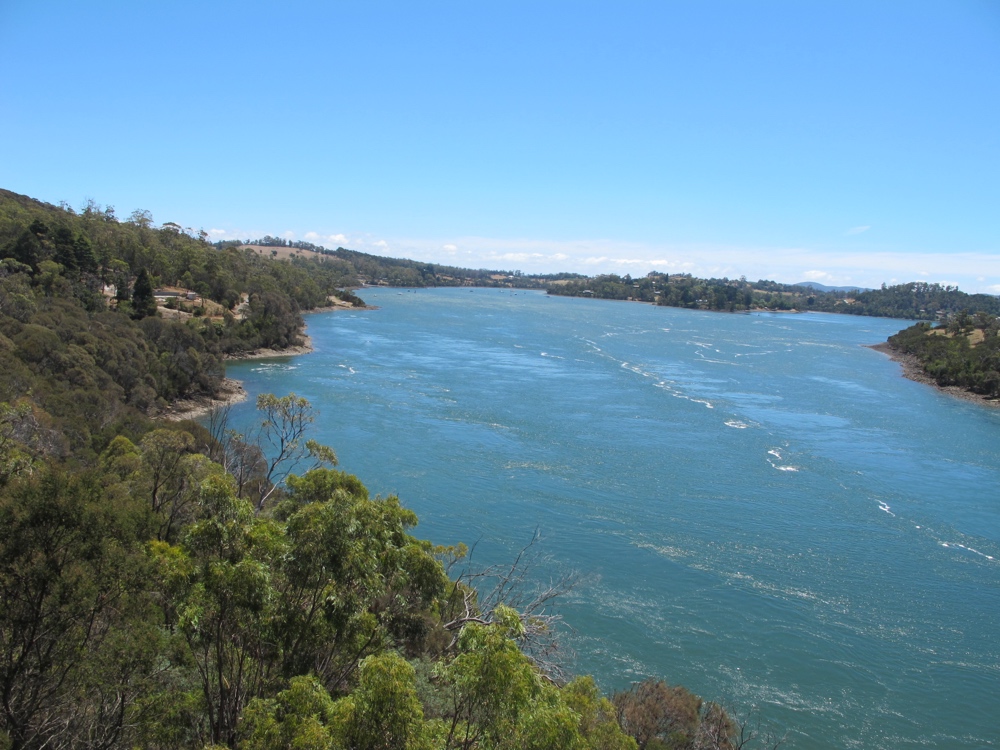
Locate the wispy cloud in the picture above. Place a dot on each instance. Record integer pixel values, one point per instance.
(817, 276)
(858, 230)
(971, 271)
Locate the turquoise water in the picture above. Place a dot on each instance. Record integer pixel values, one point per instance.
(764, 510)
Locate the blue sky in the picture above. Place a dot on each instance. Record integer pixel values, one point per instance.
(849, 143)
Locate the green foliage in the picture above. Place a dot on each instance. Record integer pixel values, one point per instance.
(948, 355)
(298, 718)
(598, 721)
(73, 619)
(383, 712)
(916, 300)
(143, 302)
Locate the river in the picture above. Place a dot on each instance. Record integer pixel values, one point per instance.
(761, 508)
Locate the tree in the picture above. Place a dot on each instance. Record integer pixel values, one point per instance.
(658, 715)
(225, 603)
(26, 250)
(83, 251)
(72, 649)
(383, 712)
(143, 301)
(298, 718)
(598, 722)
(63, 240)
(491, 682)
(141, 217)
(268, 453)
(18, 428)
(478, 594)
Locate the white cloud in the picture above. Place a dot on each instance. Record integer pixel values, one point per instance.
(858, 230)
(289, 235)
(519, 257)
(974, 271)
(817, 276)
(970, 271)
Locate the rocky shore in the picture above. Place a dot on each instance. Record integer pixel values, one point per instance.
(304, 348)
(913, 370)
(232, 391)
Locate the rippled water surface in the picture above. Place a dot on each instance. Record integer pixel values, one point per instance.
(766, 511)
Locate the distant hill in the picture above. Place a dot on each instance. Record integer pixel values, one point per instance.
(824, 288)
(915, 300)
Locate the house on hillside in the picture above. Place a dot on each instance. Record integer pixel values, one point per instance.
(173, 292)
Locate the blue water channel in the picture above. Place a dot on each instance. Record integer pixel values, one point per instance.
(761, 508)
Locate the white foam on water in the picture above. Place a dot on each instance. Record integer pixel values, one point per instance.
(665, 550)
(780, 467)
(268, 366)
(552, 356)
(720, 362)
(736, 424)
(974, 551)
(883, 506)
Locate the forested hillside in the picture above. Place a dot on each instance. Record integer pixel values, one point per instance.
(79, 327)
(367, 269)
(915, 300)
(171, 585)
(963, 353)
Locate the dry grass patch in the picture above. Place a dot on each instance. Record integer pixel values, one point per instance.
(975, 337)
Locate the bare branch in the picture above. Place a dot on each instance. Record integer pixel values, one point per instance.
(480, 591)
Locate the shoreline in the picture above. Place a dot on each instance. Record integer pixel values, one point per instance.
(911, 369)
(305, 347)
(231, 391)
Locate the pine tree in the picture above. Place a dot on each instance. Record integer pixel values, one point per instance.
(143, 301)
(84, 253)
(65, 254)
